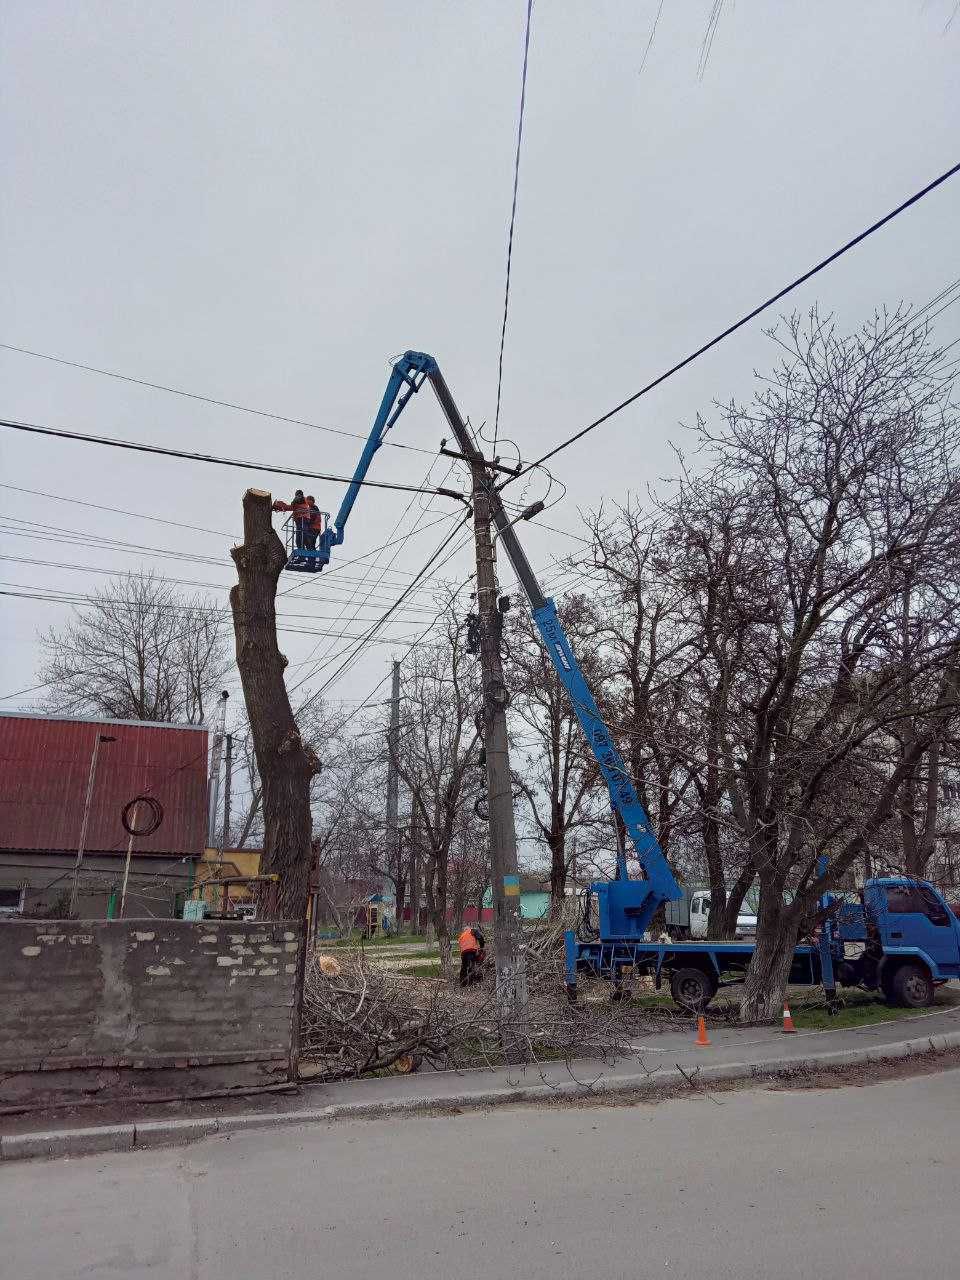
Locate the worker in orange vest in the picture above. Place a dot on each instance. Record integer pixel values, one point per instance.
(472, 952)
(299, 508)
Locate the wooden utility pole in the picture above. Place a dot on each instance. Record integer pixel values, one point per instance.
(505, 880)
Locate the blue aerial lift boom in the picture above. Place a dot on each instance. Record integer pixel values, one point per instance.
(912, 938)
(626, 906)
(406, 379)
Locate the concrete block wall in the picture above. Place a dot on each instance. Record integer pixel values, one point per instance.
(144, 1008)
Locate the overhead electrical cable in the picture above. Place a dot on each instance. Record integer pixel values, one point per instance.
(381, 620)
(303, 631)
(164, 451)
(193, 395)
(396, 552)
(513, 215)
(738, 324)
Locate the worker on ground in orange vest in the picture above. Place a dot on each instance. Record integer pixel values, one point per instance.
(472, 952)
(299, 508)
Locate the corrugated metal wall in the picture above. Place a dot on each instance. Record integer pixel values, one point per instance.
(45, 764)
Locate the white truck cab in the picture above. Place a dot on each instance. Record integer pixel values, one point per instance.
(700, 914)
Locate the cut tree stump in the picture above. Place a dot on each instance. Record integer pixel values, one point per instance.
(286, 763)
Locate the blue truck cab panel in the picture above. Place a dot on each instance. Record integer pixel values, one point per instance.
(912, 919)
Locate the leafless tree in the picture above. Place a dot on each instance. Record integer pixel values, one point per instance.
(138, 651)
(436, 758)
(642, 618)
(319, 726)
(845, 463)
(554, 769)
(468, 876)
(708, 541)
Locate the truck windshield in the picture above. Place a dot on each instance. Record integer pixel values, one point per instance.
(907, 898)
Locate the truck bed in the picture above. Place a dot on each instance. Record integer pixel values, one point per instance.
(611, 958)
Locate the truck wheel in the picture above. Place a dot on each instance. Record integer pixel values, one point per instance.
(912, 986)
(692, 988)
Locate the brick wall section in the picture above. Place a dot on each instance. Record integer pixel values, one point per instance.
(144, 1007)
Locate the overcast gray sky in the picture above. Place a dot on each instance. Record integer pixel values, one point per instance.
(265, 202)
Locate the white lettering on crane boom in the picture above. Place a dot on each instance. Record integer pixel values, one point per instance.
(562, 655)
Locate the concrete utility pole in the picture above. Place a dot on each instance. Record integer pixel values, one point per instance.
(505, 881)
(81, 844)
(216, 755)
(488, 507)
(227, 789)
(393, 786)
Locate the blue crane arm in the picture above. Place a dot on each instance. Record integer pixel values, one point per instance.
(626, 906)
(406, 380)
(660, 882)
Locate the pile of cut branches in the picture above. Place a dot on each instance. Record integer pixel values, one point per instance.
(360, 1018)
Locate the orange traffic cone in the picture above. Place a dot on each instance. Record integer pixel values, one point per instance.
(788, 1027)
(702, 1038)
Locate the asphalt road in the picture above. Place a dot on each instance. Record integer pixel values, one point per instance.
(853, 1183)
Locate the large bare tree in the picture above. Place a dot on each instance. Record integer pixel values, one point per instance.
(437, 757)
(554, 769)
(139, 650)
(846, 461)
(643, 621)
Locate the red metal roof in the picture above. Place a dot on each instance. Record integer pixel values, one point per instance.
(45, 765)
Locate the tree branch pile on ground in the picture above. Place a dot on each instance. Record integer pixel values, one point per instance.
(360, 1018)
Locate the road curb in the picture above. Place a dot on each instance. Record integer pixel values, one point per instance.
(178, 1132)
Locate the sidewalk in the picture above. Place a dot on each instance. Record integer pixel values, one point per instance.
(662, 1063)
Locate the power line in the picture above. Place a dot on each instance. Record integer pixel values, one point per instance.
(382, 620)
(30, 689)
(193, 395)
(390, 562)
(513, 216)
(177, 524)
(738, 324)
(56, 596)
(653, 32)
(59, 497)
(73, 538)
(80, 568)
(84, 437)
(417, 640)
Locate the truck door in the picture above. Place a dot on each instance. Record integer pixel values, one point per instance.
(699, 915)
(915, 916)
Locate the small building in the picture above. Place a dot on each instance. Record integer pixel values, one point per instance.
(45, 768)
(534, 900)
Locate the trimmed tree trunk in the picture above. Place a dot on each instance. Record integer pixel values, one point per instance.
(765, 984)
(558, 867)
(285, 763)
